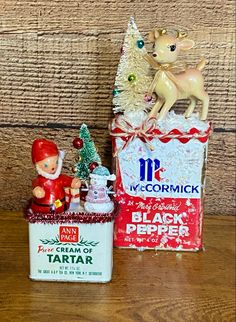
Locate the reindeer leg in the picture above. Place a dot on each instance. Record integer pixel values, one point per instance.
(156, 108)
(153, 84)
(191, 107)
(203, 96)
(167, 106)
(205, 102)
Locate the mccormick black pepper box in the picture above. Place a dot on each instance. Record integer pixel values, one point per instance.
(159, 186)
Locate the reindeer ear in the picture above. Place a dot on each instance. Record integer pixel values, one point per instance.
(186, 44)
(153, 35)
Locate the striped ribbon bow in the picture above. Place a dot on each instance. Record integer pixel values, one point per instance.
(127, 132)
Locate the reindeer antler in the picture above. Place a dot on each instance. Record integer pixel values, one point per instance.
(162, 31)
(181, 34)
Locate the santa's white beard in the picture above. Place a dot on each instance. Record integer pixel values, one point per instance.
(51, 176)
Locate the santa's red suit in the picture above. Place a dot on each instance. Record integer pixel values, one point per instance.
(54, 199)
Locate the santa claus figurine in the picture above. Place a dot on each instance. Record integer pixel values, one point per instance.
(48, 187)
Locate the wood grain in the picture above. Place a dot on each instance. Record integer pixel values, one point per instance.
(146, 286)
(16, 170)
(58, 61)
(72, 15)
(68, 78)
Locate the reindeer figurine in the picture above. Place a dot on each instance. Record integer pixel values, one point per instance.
(171, 82)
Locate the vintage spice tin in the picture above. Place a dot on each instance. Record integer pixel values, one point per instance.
(71, 247)
(160, 188)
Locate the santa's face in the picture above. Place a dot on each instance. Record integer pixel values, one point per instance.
(49, 165)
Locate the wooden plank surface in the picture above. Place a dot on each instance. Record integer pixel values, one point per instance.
(72, 15)
(17, 171)
(68, 78)
(147, 286)
(58, 61)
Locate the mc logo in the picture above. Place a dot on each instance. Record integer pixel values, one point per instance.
(150, 167)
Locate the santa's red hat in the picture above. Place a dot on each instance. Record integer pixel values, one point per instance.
(42, 149)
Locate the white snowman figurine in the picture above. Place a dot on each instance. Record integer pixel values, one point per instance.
(97, 199)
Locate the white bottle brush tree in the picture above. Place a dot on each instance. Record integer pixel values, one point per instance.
(133, 74)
